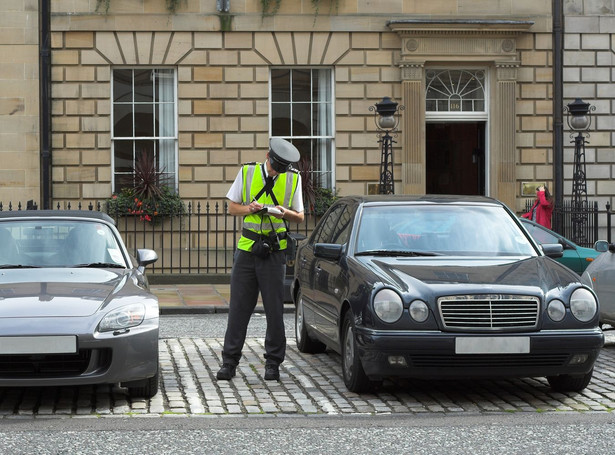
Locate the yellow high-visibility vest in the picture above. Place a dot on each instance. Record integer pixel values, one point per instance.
(284, 188)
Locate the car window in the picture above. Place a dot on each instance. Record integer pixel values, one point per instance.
(328, 226)
(540, 235)
(60, 243)
(466, 230)
(341, 232)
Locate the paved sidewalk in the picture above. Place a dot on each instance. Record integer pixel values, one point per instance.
(192, 298)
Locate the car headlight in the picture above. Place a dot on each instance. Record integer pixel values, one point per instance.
(419, 311)
(583, 305)
(388, 305)
(123, 318)
(556, 310)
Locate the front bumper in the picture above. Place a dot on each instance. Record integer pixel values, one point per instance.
(102, 358)
(431, 354)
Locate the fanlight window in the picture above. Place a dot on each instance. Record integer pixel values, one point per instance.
(455, 91)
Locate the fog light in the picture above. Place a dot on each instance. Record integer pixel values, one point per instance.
(397, 360)
(578, 359)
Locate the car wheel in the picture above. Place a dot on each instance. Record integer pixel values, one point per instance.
(354, 376)
(145, 388)
(304, 342)
(569, 382)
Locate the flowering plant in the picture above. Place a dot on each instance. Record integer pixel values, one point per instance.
(127, 202)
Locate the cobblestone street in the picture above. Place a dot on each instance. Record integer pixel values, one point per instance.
(310, 385)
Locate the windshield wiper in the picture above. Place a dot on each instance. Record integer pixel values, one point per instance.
(18, 266)
(99, 265)
(397, 253)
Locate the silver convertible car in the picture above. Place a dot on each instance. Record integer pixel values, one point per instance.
(441, 286)
(75, 307)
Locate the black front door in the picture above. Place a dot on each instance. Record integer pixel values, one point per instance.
(455, 158)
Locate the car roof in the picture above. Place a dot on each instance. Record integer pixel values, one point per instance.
(85, 214)
(424, 198)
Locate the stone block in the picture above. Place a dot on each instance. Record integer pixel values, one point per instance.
(208, 74)
(79, 73)
(79, 40)
(80, 174)
(253, 90)
(96, 190)
(238, 107)
(232, 74)
(208, 140)
(223, 57)
(207, 107)
(66, 190)
(225, 91)
(595, 41)
(238, 40)
(80, 140)
(239, 140)
(208, 40)
(209, 174)
(224, 124)
(192, 91)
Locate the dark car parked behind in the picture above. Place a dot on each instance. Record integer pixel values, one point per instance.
(439, 286)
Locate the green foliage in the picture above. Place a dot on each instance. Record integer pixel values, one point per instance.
(271, 7)
(267, 4)
(323, 200)
(126, 202)
(172, 5)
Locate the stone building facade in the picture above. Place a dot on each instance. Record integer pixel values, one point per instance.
(475, 79)
(589, 73)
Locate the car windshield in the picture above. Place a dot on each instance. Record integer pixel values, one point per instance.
(58, 243)
(428, 230)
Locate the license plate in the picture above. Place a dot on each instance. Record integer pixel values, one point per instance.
(61, 344)
(492, 345)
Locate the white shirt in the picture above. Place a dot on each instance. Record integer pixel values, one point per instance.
(235, 192)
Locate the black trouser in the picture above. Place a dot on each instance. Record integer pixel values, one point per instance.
(249, 275)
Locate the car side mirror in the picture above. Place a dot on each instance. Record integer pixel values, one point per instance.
(332, 251)
(145, 257)
(553, 250)
(602, 246)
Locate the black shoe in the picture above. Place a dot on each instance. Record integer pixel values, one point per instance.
(272, 372)
(226, 372)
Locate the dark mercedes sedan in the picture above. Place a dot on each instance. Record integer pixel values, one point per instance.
(75, 306)
(441, 287)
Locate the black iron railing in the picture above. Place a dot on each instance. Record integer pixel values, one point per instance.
(200, 242)
(581, 225)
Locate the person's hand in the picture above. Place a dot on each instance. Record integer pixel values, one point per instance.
(254, 207)
(281, 209)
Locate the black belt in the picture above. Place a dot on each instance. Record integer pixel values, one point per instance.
(251, 235)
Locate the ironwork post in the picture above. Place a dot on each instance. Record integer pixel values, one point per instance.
(579, 121)
(579, 192)
(387, 181)
(387, 120)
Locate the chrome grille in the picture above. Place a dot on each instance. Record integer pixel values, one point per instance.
(489, 312)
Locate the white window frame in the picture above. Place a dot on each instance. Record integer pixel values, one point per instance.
(175, 137)
(331, 138)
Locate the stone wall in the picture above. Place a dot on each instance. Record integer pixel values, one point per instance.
(588, 74)
(19, 101)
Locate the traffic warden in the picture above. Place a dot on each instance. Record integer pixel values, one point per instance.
(260, 260)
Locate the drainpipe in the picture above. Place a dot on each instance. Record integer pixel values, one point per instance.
(558, 109)
(45, 101)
